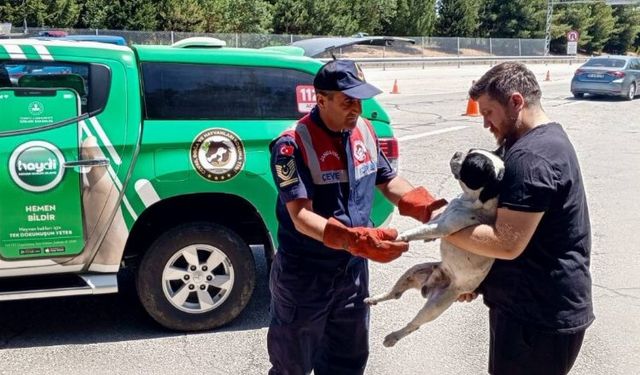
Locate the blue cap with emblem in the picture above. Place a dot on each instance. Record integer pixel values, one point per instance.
(345, 76)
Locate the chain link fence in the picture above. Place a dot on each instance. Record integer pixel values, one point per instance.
(419, 46)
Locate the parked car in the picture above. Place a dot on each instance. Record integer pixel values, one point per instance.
(153, 159)
(53, 33)
(608, 75)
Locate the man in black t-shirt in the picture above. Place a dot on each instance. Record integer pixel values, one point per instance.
(539, 289)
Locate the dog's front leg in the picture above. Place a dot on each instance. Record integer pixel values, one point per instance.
(428, 231)
(415, 277)
(456, 216)
(438, 301)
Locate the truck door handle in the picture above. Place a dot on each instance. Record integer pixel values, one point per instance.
(100, 162)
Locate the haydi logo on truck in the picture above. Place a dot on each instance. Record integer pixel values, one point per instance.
(36, 166)
(155, 160)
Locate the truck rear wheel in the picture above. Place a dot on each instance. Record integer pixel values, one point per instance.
(196, 276)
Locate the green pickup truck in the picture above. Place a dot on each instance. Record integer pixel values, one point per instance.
(149, 158)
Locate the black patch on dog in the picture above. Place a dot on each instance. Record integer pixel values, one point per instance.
(478, 172)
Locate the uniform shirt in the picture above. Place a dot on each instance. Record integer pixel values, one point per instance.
(549, 284)
(347, 198)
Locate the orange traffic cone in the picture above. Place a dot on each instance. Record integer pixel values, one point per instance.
(548, 77)
(395, 87)
(473, 108)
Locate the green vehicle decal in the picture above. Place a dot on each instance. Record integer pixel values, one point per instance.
(44, 216)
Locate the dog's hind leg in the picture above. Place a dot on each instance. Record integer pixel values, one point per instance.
(439, 300)
(415, 277)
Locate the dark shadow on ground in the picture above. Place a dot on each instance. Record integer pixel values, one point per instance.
(108, 318)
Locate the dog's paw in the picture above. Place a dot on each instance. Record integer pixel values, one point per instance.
(370, 301)
(390, 340)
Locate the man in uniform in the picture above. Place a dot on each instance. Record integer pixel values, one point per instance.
(326, 170)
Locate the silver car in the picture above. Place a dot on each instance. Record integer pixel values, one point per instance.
(608, 75)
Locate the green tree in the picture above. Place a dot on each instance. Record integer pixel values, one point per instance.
(292, 16)
(413, 18)
(320, 17)
(10, 12)
(458, 17)
(95, 14)
(332, 17)
(237, 16)
(118, 14)
(570, 17)
(513, 19)
(602, 27)
(181, 15)
(595, 22)
(374, 16)
(62, 13)
(626, 31)
(41, 13)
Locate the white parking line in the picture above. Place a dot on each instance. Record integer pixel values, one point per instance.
(428, 134)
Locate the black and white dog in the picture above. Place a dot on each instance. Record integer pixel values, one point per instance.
(479, 173)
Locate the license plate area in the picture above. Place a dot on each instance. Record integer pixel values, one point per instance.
(595, 76)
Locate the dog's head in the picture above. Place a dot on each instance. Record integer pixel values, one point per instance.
(479, 173)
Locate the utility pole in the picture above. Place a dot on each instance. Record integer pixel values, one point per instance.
(551, 3)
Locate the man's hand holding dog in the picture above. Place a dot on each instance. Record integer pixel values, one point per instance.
(372, 243)
(420, 204)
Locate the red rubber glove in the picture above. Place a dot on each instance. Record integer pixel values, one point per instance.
(419, 204)
(371, 243)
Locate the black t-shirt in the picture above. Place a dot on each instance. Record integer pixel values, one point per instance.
(549, 284)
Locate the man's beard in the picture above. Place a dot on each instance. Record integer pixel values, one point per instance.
(511, 126)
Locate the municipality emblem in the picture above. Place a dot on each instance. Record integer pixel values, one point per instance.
(36, 108)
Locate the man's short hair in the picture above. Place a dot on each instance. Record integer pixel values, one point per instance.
(501, 81)
(327, 93)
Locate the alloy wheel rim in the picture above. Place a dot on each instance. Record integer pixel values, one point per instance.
(198, 278)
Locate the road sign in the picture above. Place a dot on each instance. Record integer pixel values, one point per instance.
(572, 42)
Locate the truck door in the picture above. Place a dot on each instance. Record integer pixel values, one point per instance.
(50, 163)
(43, 217)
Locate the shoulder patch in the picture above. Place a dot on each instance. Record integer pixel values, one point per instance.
(286, 171)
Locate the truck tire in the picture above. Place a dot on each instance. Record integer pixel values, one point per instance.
(196, 276)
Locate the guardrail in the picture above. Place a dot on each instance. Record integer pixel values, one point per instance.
(463, 60)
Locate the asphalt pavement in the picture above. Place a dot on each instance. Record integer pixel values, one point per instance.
(112, 334)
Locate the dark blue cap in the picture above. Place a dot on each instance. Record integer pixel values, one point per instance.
(345, 76)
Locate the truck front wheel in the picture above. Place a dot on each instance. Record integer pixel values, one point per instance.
(196, 276)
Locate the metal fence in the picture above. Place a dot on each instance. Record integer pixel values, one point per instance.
(423, 46)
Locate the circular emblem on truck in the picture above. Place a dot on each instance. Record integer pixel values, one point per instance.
(36, 166)
(217, 154)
